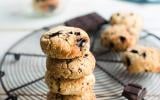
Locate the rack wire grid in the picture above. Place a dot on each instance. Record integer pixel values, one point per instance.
(22, 70)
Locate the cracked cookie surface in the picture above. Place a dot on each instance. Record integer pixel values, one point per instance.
(88, 95)
(142, 59)
(129, 19)
(71, 68)
(64, 42)
(69, 86)
(118, 38)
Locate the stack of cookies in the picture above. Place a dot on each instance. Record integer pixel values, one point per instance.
(69, 64)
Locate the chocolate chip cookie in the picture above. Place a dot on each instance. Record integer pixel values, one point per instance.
(88, 95)
(142, 59)
(131, 20)
(69, 86)
(71, 68)
(118, 37)
(64, 42)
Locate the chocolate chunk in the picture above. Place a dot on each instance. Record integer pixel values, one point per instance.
(122, 38)
(134, 51)
(77, 33)
(118, 14)
(144, 55)
(85, 55)
(51, 7)
(90, 22)
(54, 34)
(111, 45)
(81, 42)
(79, 70)
(134, 92)
(70, 32)
(128, 62)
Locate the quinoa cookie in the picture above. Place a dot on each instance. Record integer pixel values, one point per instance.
(131, 20)
(64, 42)
(118, 38)
(71, 68)
(88, 95)
(69, 86)
(45, 6)
(142, 59)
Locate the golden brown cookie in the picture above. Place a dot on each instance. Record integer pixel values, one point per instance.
(142, 59)
(64, 42)
(69, 86)
(118, 38)
(130, 19)
(45, 6)
(71, 68)
(88, 95)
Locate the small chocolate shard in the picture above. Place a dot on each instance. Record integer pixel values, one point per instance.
(54, 34)
(118, 14)
(144, 55)
(111, 45)
(85, 55)
(128, 62)
(81, 42)
(79, 70)
(77, 33)
(122, 38)
(134, 92)
(70, 32)
(134, 51)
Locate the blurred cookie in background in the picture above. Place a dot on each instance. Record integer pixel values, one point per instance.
(45, 6)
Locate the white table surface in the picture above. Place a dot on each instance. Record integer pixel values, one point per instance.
(17, 20)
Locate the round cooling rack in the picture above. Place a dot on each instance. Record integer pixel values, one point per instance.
(23, 67)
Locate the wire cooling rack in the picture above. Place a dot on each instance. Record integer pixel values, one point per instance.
(23, 67)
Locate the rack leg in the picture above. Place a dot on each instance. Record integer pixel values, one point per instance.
(17, 56)
(12, 97)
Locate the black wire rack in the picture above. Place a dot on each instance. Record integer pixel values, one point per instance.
(22, 70)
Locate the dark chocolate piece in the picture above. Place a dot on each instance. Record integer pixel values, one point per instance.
(81, 42)
(134, 92)
(111, 45)
(134, 51)
(54, 34)
(77, 33)
(90, 22)
(128, 62)
(144, 55)
(122, 38)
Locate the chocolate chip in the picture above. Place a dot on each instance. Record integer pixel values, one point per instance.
(51, 7)
(54, 34)
(146, 70)
(144, 55)
(70, 32)
(128, 62)
(122, 38)
(77, 33)
(131, 14)
(134, 92)
(81, 42)
(79, 70)
(134, 51)
(85, 55)
(111, 45)
(118, 14)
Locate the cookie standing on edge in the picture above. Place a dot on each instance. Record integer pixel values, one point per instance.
(71, 68)
(65, 42)
(118, 38)
(130, 20)
(142, 59)
(87, 95)
(69, 86)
